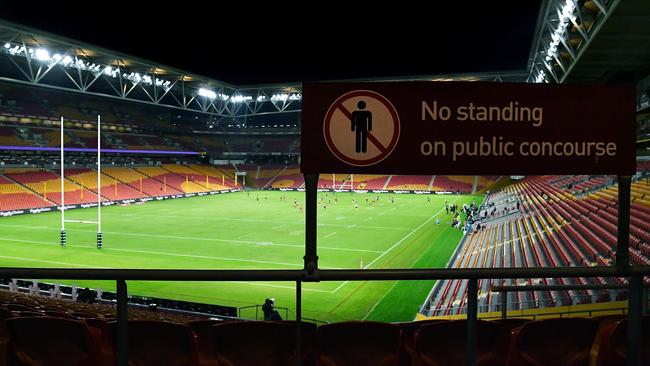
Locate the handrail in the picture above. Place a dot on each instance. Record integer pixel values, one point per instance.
(320, 275)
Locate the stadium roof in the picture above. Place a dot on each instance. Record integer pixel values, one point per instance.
(537, 41)
(621, 51)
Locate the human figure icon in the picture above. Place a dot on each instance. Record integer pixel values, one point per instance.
(362, 124)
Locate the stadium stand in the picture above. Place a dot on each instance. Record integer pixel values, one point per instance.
(325, 181)
(410, 182)
(289, 178)
(111, 188)
(138, 181)
(216, 176)
(172, 183)
(267, 174)
(14, 196)
(364, 181)
(29, 322)
(535, 224)
(48, 185)
(452, 183)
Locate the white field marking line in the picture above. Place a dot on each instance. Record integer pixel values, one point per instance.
(279, 226)
(49, 262)
(279, 286)
(82, 221)
(396, 244)
(84, 265)
(265, 243)
(164, 253)
(245, 235)
(351, 226)
(378, 301)
(301, 223)
(330, 234)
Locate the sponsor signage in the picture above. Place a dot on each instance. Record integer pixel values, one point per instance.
(468, 128)
(107, 203)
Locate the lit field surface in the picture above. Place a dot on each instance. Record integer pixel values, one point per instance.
(255, 230)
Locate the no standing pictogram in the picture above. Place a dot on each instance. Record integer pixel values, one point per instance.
(361, 128)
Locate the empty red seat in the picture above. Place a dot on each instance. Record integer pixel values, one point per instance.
(4, 336)
(408, 334)
(46, 341)
(258, 343)
(358, 344)
(443, 343)
(556, 342)
(610, 346)
(505, 337)
(159, 343)
(202, 330)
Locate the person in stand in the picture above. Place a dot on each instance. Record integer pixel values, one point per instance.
(269, 311)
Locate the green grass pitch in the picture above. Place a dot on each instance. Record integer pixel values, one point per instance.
(254, 230)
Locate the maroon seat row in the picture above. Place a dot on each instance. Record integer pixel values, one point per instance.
(55, 341)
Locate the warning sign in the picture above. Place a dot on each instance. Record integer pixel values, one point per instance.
(361, 128)
(462, 128)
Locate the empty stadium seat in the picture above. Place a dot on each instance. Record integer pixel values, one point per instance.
(358, 344)
(203, 334)
(4, 336)
(257, 343)
(159, 343)
(610, 346)
(47, 341)
(443, 343)
(505, 336)
(408, 334)
(553, 342)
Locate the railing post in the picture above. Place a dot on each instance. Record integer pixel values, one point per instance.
(122, 324)
(504, 304)
(311, 199)
(472, 313)
(623, 237)
(634, 326)
(298, 323)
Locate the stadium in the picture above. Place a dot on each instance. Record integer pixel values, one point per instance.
(151, 215)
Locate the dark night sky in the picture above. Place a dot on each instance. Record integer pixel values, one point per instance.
(256, 44)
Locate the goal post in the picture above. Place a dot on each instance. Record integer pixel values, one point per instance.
(63, 237)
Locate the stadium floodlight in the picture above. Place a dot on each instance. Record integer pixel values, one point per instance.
(284, 97)
(7, 45)
(565, 15)
(67, 60)
(279, 97)
(261, 98)
(207, 93)
(240, 98)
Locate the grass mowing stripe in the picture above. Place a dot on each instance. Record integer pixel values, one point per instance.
(404, 238)
(349, 295)
(46, 261)
(229, 241)
(300, 223)
(163, 253)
